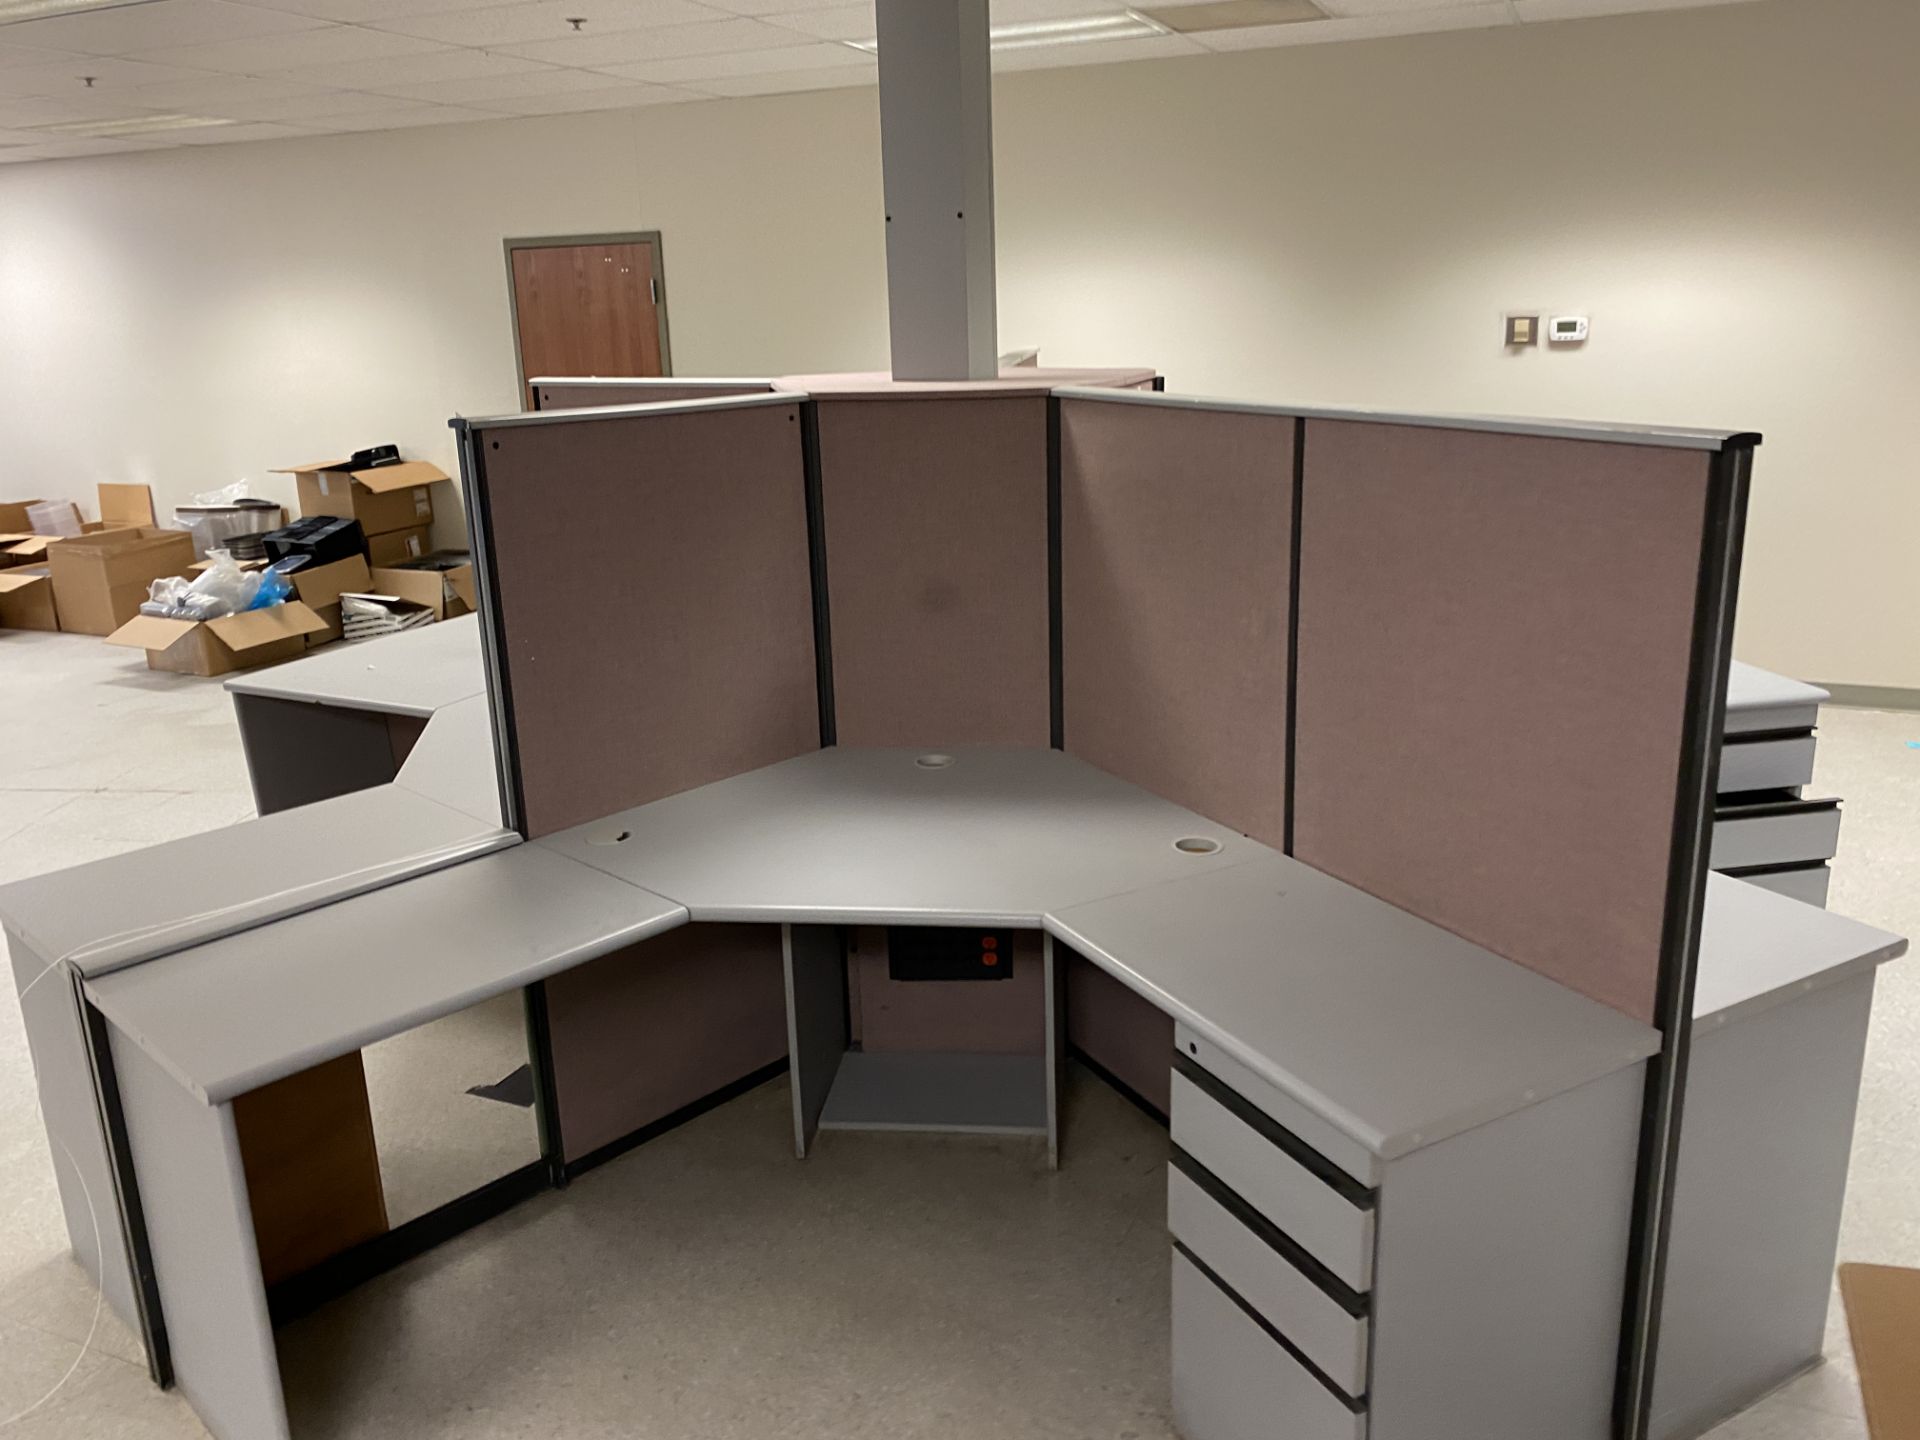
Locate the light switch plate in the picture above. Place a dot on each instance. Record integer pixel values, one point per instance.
(1523, 329)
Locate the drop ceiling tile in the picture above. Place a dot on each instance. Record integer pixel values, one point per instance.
(36, 110)
(742, 62)
(545, 20)
(438, 64)
(11, 55)
(197, 96)
(1358, 9)
(790, 82)
(1095, 52)
(545, 80)
(235, 134)
(1529, 10)
(620, 97)
(665, 42)
(163, 23)
(330, 45)
(834, 22)
(313, 106)
(362, 12)
(1477, 16)
(771, 7)
(396, 119)
(108, 72)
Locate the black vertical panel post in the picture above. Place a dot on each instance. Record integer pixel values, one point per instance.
(1056, 645)
(1299, 481)
(817, 569)
(493, 633)
(1714, 603)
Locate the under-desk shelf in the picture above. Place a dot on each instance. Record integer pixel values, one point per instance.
(981, 1094)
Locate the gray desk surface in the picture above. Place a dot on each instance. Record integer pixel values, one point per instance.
(452, 761)
(132, 907)
(412, 673)
(1758, 949)
(237, 1013)
(1398, 1033)
(1754, 695)
(847, 836)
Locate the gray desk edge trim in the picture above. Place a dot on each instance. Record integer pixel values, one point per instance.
(1750, 1005)
(614, 412)
(665, 381)
(261, 691)
(224, 1089)
(1617, 434)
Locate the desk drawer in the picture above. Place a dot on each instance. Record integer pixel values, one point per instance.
(1233, 1380)
(1320, 1207)
(1773, 828)
(1270, 1273)
(1767, 762)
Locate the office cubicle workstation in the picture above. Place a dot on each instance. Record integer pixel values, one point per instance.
(964, 730)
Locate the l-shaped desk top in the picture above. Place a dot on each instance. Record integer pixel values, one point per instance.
(1393, 1031)
(416, 672)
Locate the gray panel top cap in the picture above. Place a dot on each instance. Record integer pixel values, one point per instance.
(872, 836)
(1751, 688)
(1758, 949)
(1396, 1032)
(132, 907)
(232, 1015)
(412, 673)
(1661, 436)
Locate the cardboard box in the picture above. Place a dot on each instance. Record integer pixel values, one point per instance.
(8, 555)
(26, 600)
(100, 580)
(126, 505)
(1883, 1314)
(448, 593)
(200, 567)
(26, 549)
(383, 499)
(396, 547)
(13, 516)
(217, 647)
(319, 588)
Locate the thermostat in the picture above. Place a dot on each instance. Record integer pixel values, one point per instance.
(1566, 329)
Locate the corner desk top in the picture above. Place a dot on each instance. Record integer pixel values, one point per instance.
(1760, 700)
(413, 673)
(453, 760)
(1759, 949)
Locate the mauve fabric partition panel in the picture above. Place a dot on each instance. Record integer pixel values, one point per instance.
(653, 585)
(564, 396)
(936, 527)
(1495, 639)
(1176, 534)
(648, 1030)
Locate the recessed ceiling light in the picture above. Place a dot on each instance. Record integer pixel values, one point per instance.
(1030, 34)
(1236, 14)
(12, 12)
(135, 125)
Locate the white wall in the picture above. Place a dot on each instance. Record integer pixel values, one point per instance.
(1732, 194)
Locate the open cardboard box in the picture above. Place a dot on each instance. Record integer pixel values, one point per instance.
(26, 600)
(126, 505)
(448, 593)
(396, 547)
(385, 498)
(100, 580)
(1883, 1314)
(319, 588)
(13, 516)
(217, 647)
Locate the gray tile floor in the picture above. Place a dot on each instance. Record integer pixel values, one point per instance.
(707, 1285)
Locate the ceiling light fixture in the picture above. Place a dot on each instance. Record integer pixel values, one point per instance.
(1031, 34)
(130, 125)
(12, 12)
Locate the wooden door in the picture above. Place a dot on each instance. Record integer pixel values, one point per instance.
(586, 309)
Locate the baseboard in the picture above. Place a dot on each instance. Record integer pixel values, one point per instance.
(1872, 697)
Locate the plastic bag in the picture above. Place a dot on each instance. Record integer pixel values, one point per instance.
(225, 583)
(276, 583)
(225, 495)
(172, 598)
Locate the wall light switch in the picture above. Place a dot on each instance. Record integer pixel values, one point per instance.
(1523, 329)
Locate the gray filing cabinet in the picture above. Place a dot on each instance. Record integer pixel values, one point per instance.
(1767, 830)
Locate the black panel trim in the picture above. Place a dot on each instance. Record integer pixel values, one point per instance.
(817, 569)
(1354, 1302)
(546, 1086)
(333, 1277)
(1756, 737)
(1272, 1131)
(1126, 1091)
(1056, 642)
(613, 1149)
(1293, 632)
(1715, 595)
(493, 628)
(126, 1193)
(1744, 872)
(1357, 1407)
(1753, 804)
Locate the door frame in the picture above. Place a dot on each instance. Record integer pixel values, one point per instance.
(612, 237)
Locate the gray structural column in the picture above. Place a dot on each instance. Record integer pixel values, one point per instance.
(936, 144)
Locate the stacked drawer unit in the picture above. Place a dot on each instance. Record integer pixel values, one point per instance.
(1766, 830)
(1468, 1290)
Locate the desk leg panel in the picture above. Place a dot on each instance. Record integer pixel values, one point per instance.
(817, 1038)
(193, 1190)
(298, 752)
(50, 1014)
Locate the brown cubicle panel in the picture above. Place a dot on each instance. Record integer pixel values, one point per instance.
(651, 616)
(582, 392)
(1496, 638)
(934, 507)
(1176, 535)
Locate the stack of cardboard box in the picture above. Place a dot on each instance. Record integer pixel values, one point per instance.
(393, 503)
